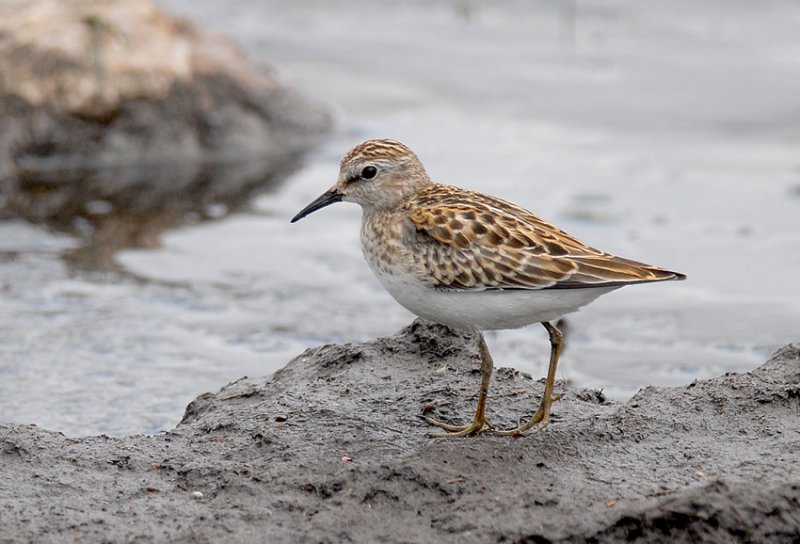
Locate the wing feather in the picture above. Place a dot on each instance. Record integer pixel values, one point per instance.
(469, 241)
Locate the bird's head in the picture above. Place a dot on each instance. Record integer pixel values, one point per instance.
(376, 174)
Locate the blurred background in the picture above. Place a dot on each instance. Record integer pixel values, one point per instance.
(663, 132)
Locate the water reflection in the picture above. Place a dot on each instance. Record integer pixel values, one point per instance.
(115, 208)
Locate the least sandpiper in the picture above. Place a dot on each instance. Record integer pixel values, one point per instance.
(472, 261)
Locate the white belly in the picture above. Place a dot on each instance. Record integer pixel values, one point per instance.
(486, 310)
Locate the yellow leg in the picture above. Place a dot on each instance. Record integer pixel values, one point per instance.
(479, 422)
(542, 416)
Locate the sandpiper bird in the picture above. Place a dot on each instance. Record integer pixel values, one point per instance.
(472, 261)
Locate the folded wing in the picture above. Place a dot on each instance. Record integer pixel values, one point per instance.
(471, 241)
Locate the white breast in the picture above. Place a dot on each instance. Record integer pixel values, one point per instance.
(485, 310)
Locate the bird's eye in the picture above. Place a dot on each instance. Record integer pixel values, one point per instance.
(369, 172)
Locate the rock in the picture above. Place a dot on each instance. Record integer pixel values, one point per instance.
(333, 448)
(87, 83)
(106, 99)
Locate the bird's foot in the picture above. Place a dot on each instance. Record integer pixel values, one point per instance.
(532, 426)
(477, 426)
(535, 424)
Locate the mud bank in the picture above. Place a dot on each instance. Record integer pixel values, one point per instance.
(332, 448)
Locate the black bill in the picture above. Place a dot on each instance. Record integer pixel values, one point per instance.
(325, 199)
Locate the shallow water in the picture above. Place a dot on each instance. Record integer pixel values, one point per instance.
(668, 134)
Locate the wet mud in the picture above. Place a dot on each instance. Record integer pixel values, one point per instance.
(333, 448)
